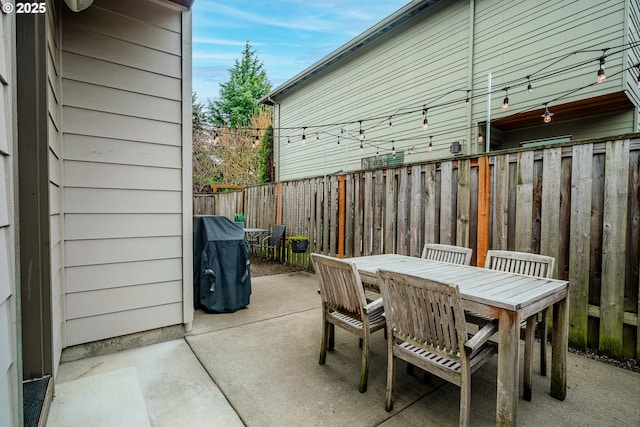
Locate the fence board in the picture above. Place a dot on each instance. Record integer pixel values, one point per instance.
(524, 202)
(416, 221)
(446, 203)
(463, 203)
(580, 241)
(402, 209)
(614, 246)
(357, 216)
(333, 220)
(390, 214)
(550, 209)
(348, 230)
(367, 240)
(500, 196)
(378, 212)
(430, 205)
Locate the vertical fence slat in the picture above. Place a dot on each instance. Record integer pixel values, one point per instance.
(430, 203)
(403, 220)
(390, 212)
(378, 212)
(524, 201)
(349, 202)
(550, 216)
(463, 215)
(415, 212)
(580, 242)
(357, 215)
(614, 246)
(446, 203)
(500, 202)
(333, 218)
(367, 231)
(484, 210)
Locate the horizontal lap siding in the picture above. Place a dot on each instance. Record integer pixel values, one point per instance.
(10, 378)
(122, 169)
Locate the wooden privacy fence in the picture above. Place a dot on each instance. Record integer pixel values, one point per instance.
(579, 203)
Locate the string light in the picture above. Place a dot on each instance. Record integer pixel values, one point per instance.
(467, 100)
(256, 141)
(505, 103)
(317, 138)
(288, 140)
(304, 137)
(601, 76)
(430, 143)
(529, 87)
(547, 114)
(361, 134)
(390, 124)
(425, 122)
(393, 148)
(480, 136)
(216, 137)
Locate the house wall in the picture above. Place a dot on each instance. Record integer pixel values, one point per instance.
(56, 224)
(122, 85)
(431, 61)
(10, 375)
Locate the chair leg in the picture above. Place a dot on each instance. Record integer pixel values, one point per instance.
(332, 332)
(364, 366)
(528, 356)
(465, 398)
(543, 344)
(325, 338)
(391, 369)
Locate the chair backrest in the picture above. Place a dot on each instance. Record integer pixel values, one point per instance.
(447, 253)
(277, 235)
(340, 285)
(424, 312)
(521, 263)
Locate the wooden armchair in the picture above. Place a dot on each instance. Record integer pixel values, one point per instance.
(531, 265)
(447, 253)
(344, 305)
(426, 327)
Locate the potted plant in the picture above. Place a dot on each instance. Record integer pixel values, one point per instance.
(298, 244)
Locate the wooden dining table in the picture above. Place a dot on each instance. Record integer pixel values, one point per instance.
(508, 297)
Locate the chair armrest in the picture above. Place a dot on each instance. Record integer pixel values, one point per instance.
(480, 338)
(373, 305)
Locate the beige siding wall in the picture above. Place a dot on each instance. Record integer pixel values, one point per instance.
(123, 175)
(9, 374)
(433, 61)
(54, 128)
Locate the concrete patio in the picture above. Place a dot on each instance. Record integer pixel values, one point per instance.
(259, 367)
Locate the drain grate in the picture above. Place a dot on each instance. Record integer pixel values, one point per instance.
(34, 392)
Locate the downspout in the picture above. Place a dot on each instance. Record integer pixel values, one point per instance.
(277, 129)
(472, 12)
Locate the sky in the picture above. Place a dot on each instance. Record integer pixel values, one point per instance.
(287, 35)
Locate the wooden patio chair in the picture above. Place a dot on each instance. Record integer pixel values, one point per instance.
(344, 305)
(447, 253)
(426, 327)
(531, 265)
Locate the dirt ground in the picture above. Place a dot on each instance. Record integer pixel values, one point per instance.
(266, 267)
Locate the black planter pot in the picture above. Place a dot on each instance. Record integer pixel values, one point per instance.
(299, 246)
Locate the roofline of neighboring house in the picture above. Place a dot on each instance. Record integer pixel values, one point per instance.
(391, 22)
(184, 3)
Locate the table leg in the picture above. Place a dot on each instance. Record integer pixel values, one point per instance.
(507, 395)
(559, 348)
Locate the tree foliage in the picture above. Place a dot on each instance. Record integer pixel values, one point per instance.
(265, 157)
(198, 113)
(239, 96)
(230, 156)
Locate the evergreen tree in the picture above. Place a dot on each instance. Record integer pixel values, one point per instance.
(239, 96)
(198, 114)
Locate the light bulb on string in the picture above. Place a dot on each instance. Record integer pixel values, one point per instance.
(601, 77)
(361, 133)
(505, 103)
(361, 147)
(480, 137)
(288, 140)
(393, 148)
(546, 116)
(256, 141)
(425, 122)
(467, 100)
(216, 137)
(317, 138)
(304, 137)
(390, 124)
(430, 143)
(529, 87)
(338, 144)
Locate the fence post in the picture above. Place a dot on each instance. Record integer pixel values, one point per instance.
(484, 209)
(341, 215)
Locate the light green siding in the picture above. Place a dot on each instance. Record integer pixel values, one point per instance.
(433, 59)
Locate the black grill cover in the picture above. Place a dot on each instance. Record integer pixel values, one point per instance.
(221, 276)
